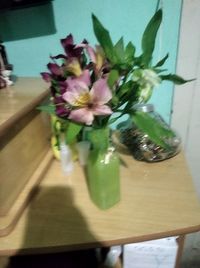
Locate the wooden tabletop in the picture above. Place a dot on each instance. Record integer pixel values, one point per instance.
(19, 99)
(157, 200)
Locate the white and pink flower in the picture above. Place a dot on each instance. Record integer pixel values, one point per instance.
(87, 103)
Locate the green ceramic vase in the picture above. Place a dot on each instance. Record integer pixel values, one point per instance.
(103, 176)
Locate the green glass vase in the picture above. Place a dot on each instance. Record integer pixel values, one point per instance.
(103, 176)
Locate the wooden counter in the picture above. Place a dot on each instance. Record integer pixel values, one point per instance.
(157, 200)
(24, 142)
(20, 98)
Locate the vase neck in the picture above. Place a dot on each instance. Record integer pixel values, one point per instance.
(99, 138)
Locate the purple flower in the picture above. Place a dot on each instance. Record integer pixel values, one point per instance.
(55, 72)
(46, 76)
(55, 69)
(62, 109)
(70, 48)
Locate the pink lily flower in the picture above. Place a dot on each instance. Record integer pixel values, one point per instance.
(86, 104)
(83, 78)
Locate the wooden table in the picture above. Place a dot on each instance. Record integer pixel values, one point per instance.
(19, 99)
(157, 200)
(24, 142)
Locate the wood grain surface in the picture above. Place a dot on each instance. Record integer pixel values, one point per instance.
(24, 142)
(8, 221)
(24, 137)
(157, 200)
(20, 156)
(19, 99)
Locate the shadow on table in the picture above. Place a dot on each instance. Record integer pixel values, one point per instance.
(52, 219)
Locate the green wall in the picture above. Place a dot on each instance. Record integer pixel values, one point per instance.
(32, 34)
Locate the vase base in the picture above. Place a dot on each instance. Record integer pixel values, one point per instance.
(104, 205)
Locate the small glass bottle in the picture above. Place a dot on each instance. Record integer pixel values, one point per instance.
(66, 158)
(147, 136)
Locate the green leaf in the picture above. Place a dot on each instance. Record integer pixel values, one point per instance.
(154, 129)
(112, 78)
(72, 131)
(129, 52)
(125, 88)
(149, 37)
(115, 100)
(104, 39)
(49, 108)
(129, 98)
(138, 61)
(119, 50)
(176, 79)
(158, 71)
(161, 62)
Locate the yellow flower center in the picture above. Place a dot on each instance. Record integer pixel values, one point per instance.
(83, 100)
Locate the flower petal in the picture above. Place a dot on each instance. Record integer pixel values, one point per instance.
(100, 92)
(151, 77)
(62, 86)
(102, 110)
(70, 97)
(91, 53)
(58, 100)
(62, 111)
(76, 86)
(70, 47)
(74, 91)
(82, 115)
(85, 77)
(74, 67)
(46, 76)
(100, 57)
(59, 56)
(55, 69)
(67, 41)
(83, 81)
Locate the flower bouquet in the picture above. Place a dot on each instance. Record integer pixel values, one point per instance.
(91, 87)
